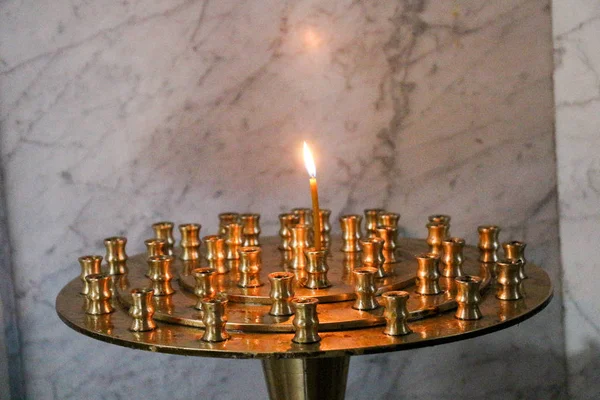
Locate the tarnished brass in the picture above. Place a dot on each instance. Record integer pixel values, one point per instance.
(452, 257)
(365, 289)
(396, 313)
(325, 225)
(160, 274)
(89, 265)
(371, 221)
(250, 263)
(99, 295)
(304, 215)
(164, 230)
(509, 282)
(300, 233)
(316, 269)
(233, 241)
(190, 241)
(350, 225)
(488, 243)
(250, 229)
(214, 318)
(428, 275)
(468, 297)
(141, 310)
(441, 219)
(286, 222)
(436, 233)
(116, 257)
(282, 292)
(372, 255)
(225, 219)
(388, 219)
(204, 288)
(306, 320)
(389, 236)
(515, 250)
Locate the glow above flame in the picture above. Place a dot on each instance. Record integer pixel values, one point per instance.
(309, 162)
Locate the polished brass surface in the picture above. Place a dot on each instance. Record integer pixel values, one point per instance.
(190, 241)
(142, 310)
(509, 281)
(225, 219)
(441, 219)
(436, 233)
(316, 269)
(371, 215)
(204, 285)
(306, 378)
(388, 219)
(396, 313)
(350, 225)
(116, 257)
(89, 265)
(488, 243)
(300, 242)
(390, 238)
(324, 215)
(214, 319)
(99, 295)
(365, 289)
(286, 222)
(304, 215)
(372, 255)
(515, 250)
(233, 241)
(250, 265)
(250, 229)
(468, 297)
(215, 253)
(306, 320)
(428, 275)
(160, 274)
(164, 230)
(282, 292)
(452, 257)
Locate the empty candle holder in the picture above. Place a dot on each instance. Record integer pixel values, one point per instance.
(141, 310)
(316, 269)
(155, 247)
(371, 221)
(452, 257)
(215, 253)
(250, 229)
(286, 222)
(164, 230)
(436, 233)
(428, 275)
(306, 320)
(250, 263)
(372, 255)
(390, 237)
(233, 241)
(225, 219)
(304, 215)
(388, 219)
(116, 257)
(515, 250)
(204, 288)
(468, 297)
(160, 274)
(190, 241)
(214, 318)
(99, 295)
(365, 289)
(441, 219)
(509, 282)
(89, 265)
(350, 225)
(396, 313)
(300, 234)
(488, 243)
(281, 293)
(324, 215)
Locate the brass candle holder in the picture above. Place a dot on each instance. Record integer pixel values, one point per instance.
(190, 241)
(225, 219)
(372, 255)
(371, 221)
(515, 250)
(300, 234)
(365, 289)
(350, 225)
(204, 288)
(250, 263)
(282, 292)
(164, 230)
(509, 279)
(116, 257)
(488, 243)
(214, 320)
(316, 269)
(286, 222)
(250, 229)
(142, 310)
(452, 257)
(390, 237)
(89, 265)
(396, 313)
(428, 275)
(99, 295)
(233, 241)
(306, 320)
(468, 297)
(160, 274)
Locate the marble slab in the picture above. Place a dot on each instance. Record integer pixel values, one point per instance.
(115, 116)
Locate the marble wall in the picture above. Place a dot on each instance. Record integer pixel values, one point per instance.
(577, 97)
(117, 115)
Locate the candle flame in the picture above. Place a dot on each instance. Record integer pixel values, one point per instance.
(309, 162)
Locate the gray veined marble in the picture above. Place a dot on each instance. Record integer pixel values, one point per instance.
(116, 115)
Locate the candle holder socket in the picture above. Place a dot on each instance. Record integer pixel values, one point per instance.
(468, 297)
(233, 241)
(215, 253)
(89, 265)
(350, 225)
(515, 250)
(250, 263)
(286, 222)
(155, 247)
(441, 219)
(365, 289)
(250, 229)
(164, 230)
(225, 219)
(452, 257)
(142, 310)
(304, 215)
(388, 219)
(436, 233)
(116, 257)
(282, 292)
(372, 255)
(214, 318)
(99, 295)
(316, 269)
(396, 313)
(300, 234)
(428, 275)
(371, 221)
(190, 241)
(389, 236)
(306, 320)
(204, 288)
(324, 215)
(488, 243)
(509, 282)
(160, 274)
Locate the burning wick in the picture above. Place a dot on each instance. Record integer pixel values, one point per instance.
(309, 162)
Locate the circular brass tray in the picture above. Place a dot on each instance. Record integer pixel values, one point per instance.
(344, 331)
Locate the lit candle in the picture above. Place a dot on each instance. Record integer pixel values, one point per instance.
(312, 172)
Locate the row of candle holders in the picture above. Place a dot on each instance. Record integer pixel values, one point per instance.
(238, 239)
